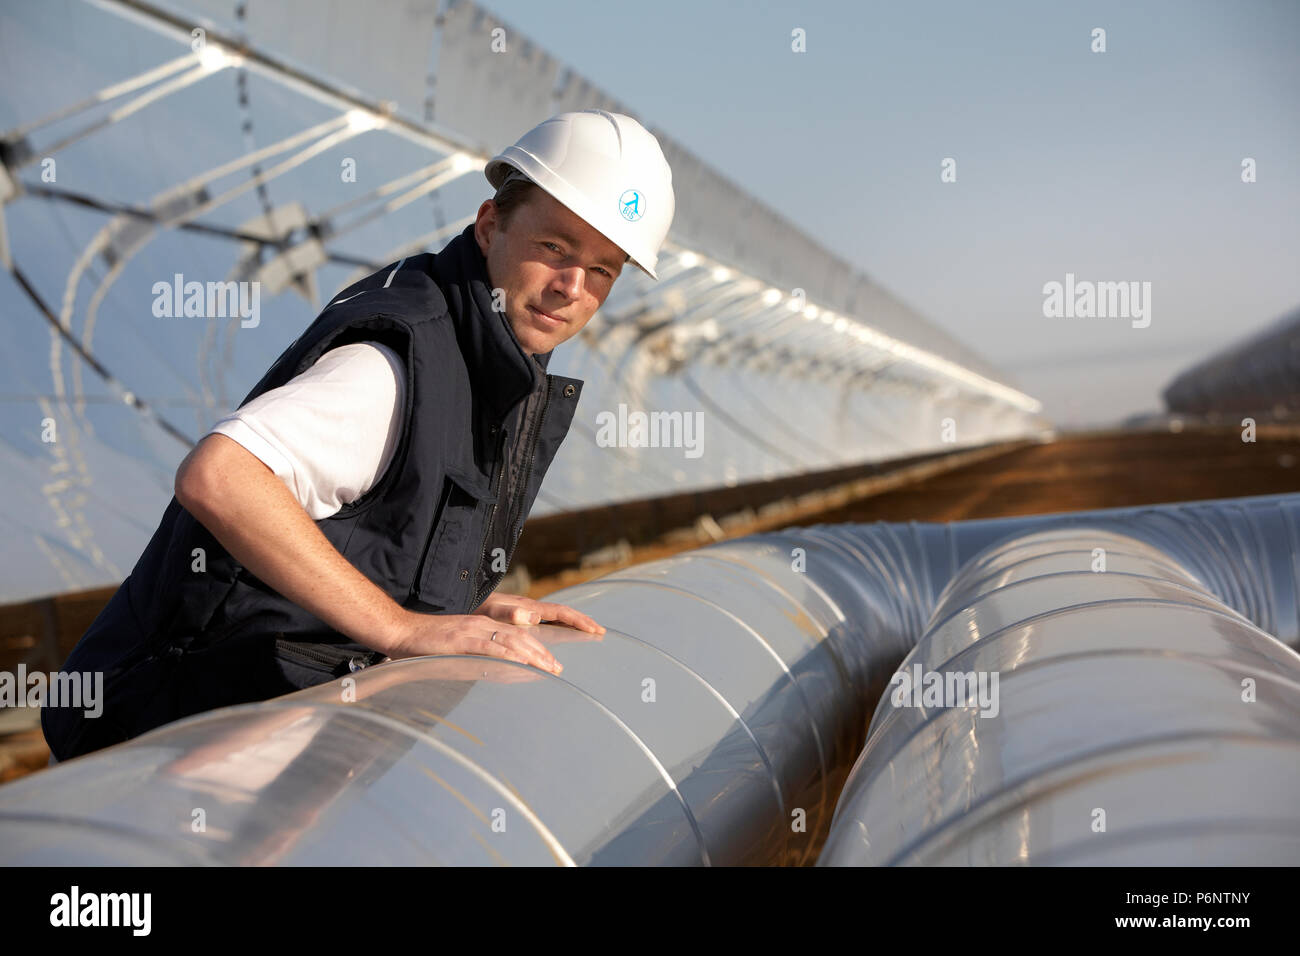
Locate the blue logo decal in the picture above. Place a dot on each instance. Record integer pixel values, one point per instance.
(629, 205)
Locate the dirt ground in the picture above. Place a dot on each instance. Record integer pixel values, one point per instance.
(1080, 472)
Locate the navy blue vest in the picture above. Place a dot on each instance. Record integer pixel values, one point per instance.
(190, 629)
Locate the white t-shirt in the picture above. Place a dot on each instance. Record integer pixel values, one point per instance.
(330, 432)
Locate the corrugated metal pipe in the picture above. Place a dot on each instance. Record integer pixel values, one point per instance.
(716, 720)
(1081, 696)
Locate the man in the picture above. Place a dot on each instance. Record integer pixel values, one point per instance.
(364, 500)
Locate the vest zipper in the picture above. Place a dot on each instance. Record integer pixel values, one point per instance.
(519, 497)
(310, 655)
(487, 525)
(532, 455)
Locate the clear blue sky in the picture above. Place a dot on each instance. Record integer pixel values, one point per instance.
(1123, 165)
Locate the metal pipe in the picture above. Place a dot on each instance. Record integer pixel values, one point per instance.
(1081, 696)
(713, 724)
(699, 729)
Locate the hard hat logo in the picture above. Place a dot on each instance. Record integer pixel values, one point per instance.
(630, 205)
(582, 158)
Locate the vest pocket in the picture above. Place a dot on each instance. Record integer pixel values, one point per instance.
(323, 657)
(451, 559)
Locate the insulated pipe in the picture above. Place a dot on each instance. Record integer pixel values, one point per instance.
(703, 727)
(713, 723)
(1080, 697)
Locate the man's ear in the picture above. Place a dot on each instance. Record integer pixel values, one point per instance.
(485, 225)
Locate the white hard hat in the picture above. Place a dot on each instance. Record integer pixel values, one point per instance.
(605, 167)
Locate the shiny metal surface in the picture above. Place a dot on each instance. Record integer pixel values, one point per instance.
(716, 719)
(1139, 718)
(711, 724)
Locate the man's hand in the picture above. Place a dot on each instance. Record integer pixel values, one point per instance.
(420, 634)
(517, 609)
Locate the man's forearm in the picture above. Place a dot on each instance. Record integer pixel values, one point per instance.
(256, 518)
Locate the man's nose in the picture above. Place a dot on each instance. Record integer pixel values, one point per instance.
(569, 282)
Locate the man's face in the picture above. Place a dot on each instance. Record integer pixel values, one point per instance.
(548, 261)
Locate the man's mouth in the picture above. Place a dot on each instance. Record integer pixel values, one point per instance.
(547, 318)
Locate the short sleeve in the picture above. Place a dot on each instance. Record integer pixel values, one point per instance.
(330, 432)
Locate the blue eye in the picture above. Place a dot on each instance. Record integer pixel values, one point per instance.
(552, 245)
